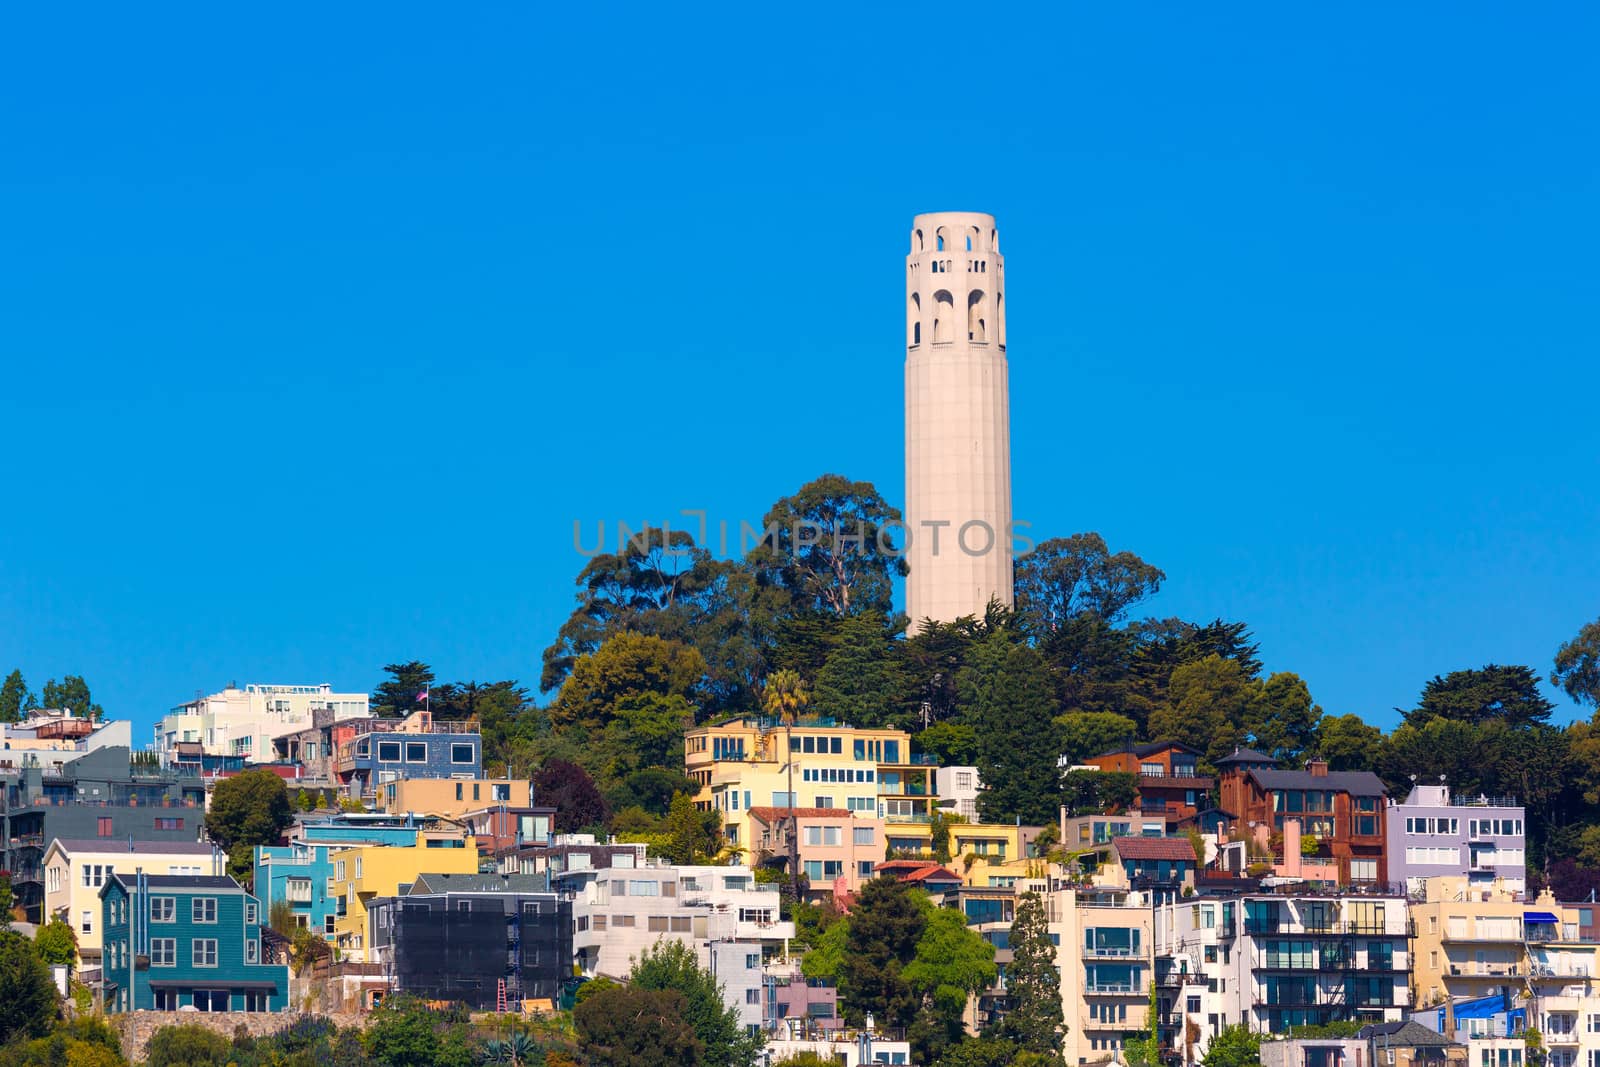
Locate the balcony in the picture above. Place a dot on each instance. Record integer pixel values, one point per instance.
(1116, 989)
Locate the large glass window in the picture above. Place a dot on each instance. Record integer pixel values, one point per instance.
(388, 752)
(416, 752)
(461, 752)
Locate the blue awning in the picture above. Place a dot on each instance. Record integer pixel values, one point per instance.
(1539, 917)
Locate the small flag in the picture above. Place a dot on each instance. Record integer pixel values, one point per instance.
(422, 697)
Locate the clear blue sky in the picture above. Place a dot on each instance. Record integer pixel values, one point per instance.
(320, 327)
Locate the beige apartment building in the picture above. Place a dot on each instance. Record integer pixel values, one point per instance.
(75, 871)
(1105, 946)
(452, 797)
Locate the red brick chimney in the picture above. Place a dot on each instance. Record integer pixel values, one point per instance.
(1318, 768)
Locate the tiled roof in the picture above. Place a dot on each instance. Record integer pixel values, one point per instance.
(916, 871)
(1154, 848)
(771, 815)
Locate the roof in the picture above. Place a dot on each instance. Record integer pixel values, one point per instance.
(1361, 783)
(479, 883)
(917, 871)
(1154, 848)
(1148, 749)
(1407, 1033)
(112, 844)
(221, 883)
(1242, 756)
(770, 815)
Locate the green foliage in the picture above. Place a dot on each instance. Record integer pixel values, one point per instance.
(248, 809)
(1348, 743)
(1509, 695)
(805, 1059)
(1010, 704)
(952, 744)
(1283, 723)
(402, 1033)
(691, 836)
(189, 1045)
(397, 697)
(1091, 792)
(627, 1027)
(306, 800)
(649, 790)
(1033, 982)
(861, 683)
(1210, 701)
(1066, 577)
(1577, 667)
(1082, 734)
(1234, 1046)
(830, 552)
(1336, 1028)
(8, 900)
(671, 966)
(991, 1051)
(56, 943)
(72, 693)
(82, 1042)
(14, 698)
(28, 999)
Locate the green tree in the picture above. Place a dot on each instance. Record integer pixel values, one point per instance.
(402, 1034)
(627, 1027)
(1234, 1046)
(880, 941)
(85, 1041)
(860, 682)
(1348, 743)
(1069, 576)
(1082, 734)
(650, 789)
(306, 800)
(1094, 792)
(1035, 1021)
(8, 900)
(189, 1045)
(692, 836)
(398, 696)
(627, 665)
(671, 965)
(1010, 705)
(14, 698)
(646, 730)
(951, 962)
(72, 693)
(1489, 694)
(1577, 668)
(247, 810)
(28, 999)
(1209, 701)
(56, 943)
(1283, 722)
(831, 548)
(953, 744)
(993, 1052)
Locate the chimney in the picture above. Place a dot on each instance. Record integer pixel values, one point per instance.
(1318, 768)
(1291, 848)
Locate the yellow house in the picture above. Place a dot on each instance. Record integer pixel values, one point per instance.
(366, 871)
(75, 870)
(453, 796)
(816, 763)
(1472, 939)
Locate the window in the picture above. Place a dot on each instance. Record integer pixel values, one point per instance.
(752, 996)
(827, 835)
(680, 924)
(388, 752)
(203, 910)
(644, 889)
(416, 752)
(657, 924)
(252, 949)
(102, 827)
(250, 912)
(327, 925)
(862, 835)
(168, 823)
(211, 1000)
(621, 922)
(166, 999)
(203, 952)
(461, 753)
(256, 1000)
(163, 909)
(86, 922)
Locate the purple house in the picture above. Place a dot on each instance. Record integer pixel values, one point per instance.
(1434, 834)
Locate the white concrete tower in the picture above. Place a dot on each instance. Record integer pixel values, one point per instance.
(958, 419)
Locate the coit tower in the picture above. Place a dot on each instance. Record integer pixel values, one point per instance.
(958, 419)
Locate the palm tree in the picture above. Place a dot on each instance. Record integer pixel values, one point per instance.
(784, 697)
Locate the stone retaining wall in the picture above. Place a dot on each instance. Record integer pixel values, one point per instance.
(135, 1027)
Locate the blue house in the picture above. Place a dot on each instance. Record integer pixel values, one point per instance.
(420, 748)
(299, 873)
(186, 941)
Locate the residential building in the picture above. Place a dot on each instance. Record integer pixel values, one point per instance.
(1080, 832)
(571, 861)
(1104, 949)
(1164, 866)
(60, 730)
(1171, 786)
(731, 921)
(487, 941)
(417, 747)
(1473, 940)
(958, 789)
(797, 1007)
(315, 747)
(101, 794)
(835, 851)
(451, 795)
(506, 829)
(1279, 1051)
(925, 874)
(300, 873)
(244, 722)
(818, 763)
(201, 936)
(365, 872)
(1402, 1043)
(845, 1047)
(75, 871)
(1342, 810)
(1434, 834)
